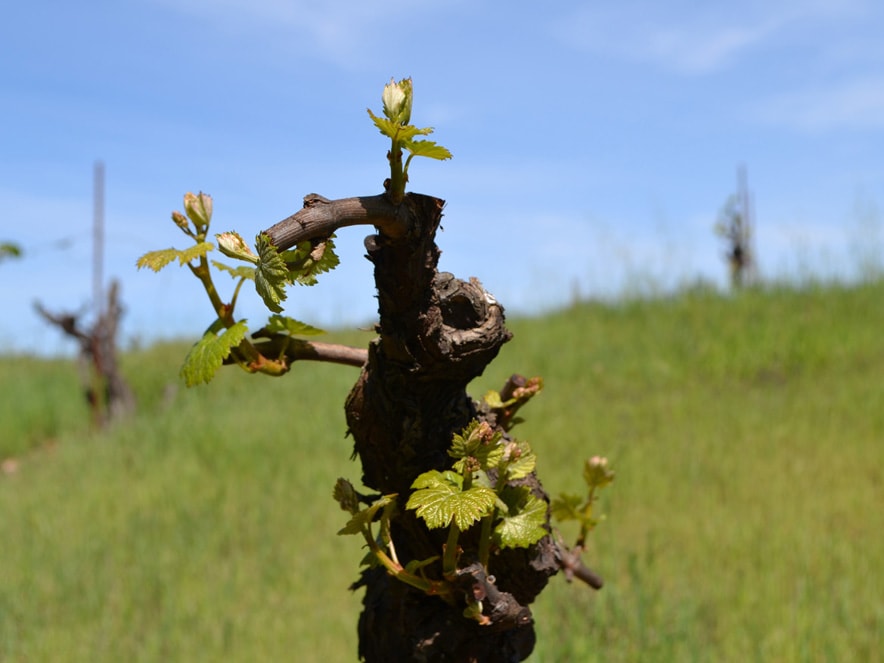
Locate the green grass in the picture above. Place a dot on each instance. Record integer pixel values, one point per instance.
(42, 399)
(745, 523)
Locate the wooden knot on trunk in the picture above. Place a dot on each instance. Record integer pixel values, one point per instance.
(470, 329)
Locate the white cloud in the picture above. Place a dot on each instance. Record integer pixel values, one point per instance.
(699, 48)
(686, 39)
(854, 105)
(336, 30)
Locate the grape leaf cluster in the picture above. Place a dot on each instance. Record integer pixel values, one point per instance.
(271, 271)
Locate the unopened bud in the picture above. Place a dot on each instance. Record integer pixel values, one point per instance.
(198, 209)
(180, 220)
(234, 246)
(596, 472)
(397, 100)
(484, 432)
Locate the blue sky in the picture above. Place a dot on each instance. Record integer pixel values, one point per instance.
(594, 142)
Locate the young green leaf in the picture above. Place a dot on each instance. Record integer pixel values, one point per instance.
(396, 131)
(385, 126)
(194, 252)
(493, 400)
(440, 498)
(362, 519)
(521, 462)
(281, 324)
(307, 261)
(426, 148)
(416, 565)
(271, 274)
(462, 444)
(477, 441)
(207, 354)
(434, 478)
(156, 260)
(567, 507)
(524, 523)
(240, 272)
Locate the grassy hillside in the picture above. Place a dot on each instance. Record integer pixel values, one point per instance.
(747, 433)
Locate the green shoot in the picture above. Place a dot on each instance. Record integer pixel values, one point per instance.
(511, 517)
(226, 340)
(381, 548)
(207, 354)
(515, 394)
(597, 475)
(397, 100)
(447, 499)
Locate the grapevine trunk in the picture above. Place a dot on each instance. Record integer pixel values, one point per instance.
(436, 334)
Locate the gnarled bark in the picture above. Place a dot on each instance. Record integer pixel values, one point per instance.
(436, 333)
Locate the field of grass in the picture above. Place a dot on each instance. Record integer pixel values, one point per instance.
(747, 433)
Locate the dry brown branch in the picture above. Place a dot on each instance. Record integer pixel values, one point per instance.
(278, 345)
(573, 567)
(320, 217)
